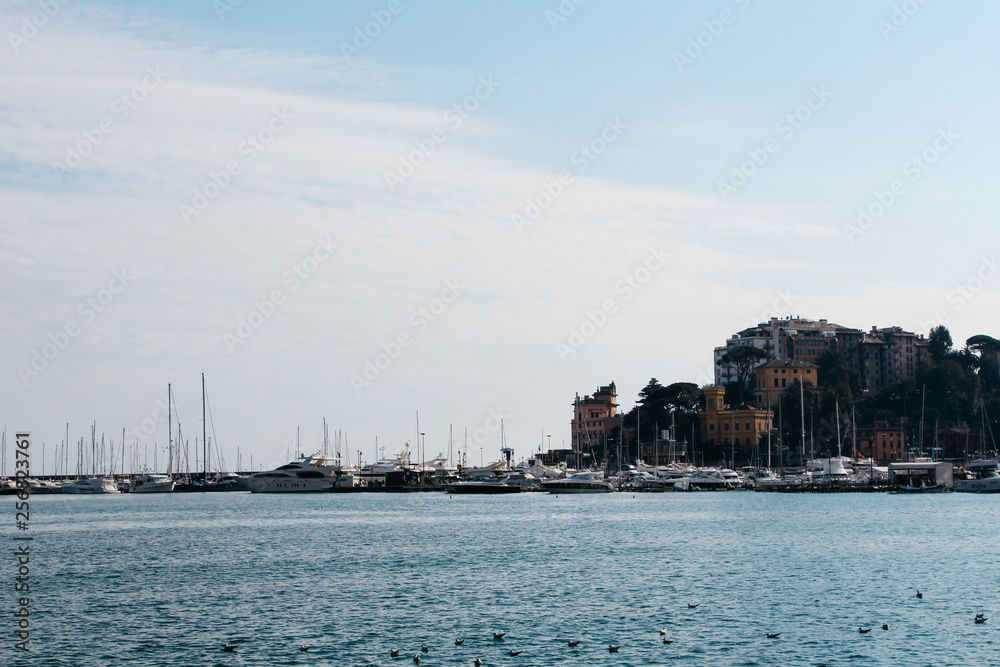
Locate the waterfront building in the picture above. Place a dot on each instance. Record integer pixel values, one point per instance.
(882, 442)
(773, 378)
(957, 443)
(889, 355)
(793, 338)
(881, 356)
(741, 426)
(593, 418)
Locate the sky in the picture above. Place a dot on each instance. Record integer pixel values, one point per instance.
(404, 217)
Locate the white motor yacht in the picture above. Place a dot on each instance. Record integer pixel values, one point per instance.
(91, 486)
(312, 473)
(704, 479)
(581, 482)
(152, 483)
(981, 477)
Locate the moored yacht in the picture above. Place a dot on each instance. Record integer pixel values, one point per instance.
(152, 483)
(91, 486)
(981, 477)
(704, 479)
(581, 482)
(481, 487)
(312, 473)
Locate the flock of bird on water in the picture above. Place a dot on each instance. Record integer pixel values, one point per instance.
(612, 648)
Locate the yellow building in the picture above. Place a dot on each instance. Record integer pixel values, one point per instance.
(721, 424)
(777, 375)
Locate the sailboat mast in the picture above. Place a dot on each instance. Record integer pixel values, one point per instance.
(170, 432)
(204, 433)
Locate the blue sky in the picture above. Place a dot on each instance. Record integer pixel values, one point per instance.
(820, 109)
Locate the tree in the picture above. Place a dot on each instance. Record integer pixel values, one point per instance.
(838, 378)
(743, 358)
(939, 342)
(660, 407)
(983, 344)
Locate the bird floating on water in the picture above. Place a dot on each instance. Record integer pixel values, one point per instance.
(416, 659)
(394, 653)
(459, 642)
(303, 648)
(864, 630)
(693, 606)
(773, 635)
(478, 662)
(499, 635)
(425, 648)
(668, 641)
(919, 594)
(572, 644)
(515, 653)
(613, 649)
(885, 626)
(980, 618)
(229, 648)
(663, 632)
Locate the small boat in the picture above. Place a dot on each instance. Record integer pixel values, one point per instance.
(152, 483)
(581, 482)
(929, 488)
(92, 485)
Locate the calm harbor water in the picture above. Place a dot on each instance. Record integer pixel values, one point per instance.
(166, 580)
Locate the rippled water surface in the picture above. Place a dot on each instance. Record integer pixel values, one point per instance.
(166, 580)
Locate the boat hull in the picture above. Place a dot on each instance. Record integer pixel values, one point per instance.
(578, 488)
(991, 485)
(481, 488)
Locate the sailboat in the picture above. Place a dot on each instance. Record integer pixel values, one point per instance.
(220, 481)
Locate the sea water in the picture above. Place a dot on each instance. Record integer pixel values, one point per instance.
(168, 579)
